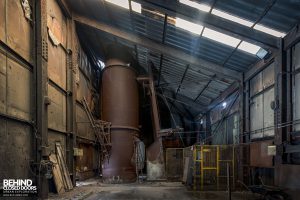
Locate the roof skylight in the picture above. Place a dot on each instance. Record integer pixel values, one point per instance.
(269, 31)
(189, 26)
(220, 37)
(121, 3)
(248, 47)
(136, 7)
(202, 7)
(231, 17)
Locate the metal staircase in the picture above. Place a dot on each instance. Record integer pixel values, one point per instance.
(101, 130)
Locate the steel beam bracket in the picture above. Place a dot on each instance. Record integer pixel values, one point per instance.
(47, 100)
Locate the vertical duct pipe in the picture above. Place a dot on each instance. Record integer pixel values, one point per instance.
(120, 107)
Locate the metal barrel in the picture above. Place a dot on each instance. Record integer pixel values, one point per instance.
(120, 106)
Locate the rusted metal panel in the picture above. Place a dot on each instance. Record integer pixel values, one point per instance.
(268, 78)
(19, 82)
(2, 21)
(174, 163)
(56, 22)
(16, 143)
(256, 117)
(256, 84)
(84, 62)
(268, 113)
(120, 107)
(289, 176)
(3, 83)
(85, 164)
(83, 89)
(296, 99)
(84, 128)
(19, 30)
(54, 137)
(57, 31)
(57, 109)
(259, 154)
(57, 65)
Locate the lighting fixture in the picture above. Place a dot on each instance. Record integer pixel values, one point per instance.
(224, 104)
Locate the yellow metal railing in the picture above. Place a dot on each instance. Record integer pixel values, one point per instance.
(210, 164)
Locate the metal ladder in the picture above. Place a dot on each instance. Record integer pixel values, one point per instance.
(101, 130)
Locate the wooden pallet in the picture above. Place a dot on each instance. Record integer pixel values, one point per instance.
(61, 175)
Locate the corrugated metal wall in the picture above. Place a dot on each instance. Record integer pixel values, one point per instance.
(261, 96)
(17, 90)
(225, 121)
(296, 87)
(16, 87)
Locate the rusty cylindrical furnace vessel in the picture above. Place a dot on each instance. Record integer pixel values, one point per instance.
(120, 107)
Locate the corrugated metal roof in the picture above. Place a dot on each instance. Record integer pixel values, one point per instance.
(283, 15)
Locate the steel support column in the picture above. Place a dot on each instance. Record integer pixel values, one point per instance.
(41, 98)
(280, 116)
(71, 97)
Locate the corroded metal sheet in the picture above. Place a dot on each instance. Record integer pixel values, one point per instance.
(259, 154)
(84, 128)
(85, 164)
(268, 113)
(54, 137)
(289, 176)
(269, 76)
(174, 163)
(256, 117)
(83, 89)
(56, 21)
(2, 83)
(19, 88)
(19, 30)
(57, 31)
(15, 149)
(84, 64)
(296, 99)
(256, 84)
(57, 109)
(57, 65)
(2, 21)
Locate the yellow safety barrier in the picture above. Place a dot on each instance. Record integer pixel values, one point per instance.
(210, 166)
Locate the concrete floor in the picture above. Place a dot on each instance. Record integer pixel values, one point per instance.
(94, 190)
